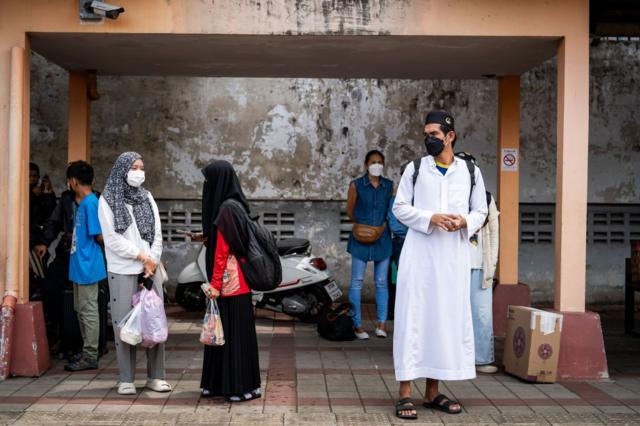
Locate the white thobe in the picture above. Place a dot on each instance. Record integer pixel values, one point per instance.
(433, 331)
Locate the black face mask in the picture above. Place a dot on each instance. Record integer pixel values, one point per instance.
(434, 145)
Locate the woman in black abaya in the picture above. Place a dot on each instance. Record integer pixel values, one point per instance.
(231, 370)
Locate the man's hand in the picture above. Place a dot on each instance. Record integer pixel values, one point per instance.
(444, 221)
(459, 223)
(40, 250)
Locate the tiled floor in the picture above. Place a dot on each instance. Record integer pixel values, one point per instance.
(311, 381)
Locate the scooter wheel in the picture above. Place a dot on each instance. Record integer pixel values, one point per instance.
(191, 297)
(319, 301)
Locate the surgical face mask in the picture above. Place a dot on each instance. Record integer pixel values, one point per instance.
(376, 169)
(135, 178)
(434, 145)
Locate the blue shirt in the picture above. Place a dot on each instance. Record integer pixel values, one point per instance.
(86, 265)
(397, 228)
(371, 209)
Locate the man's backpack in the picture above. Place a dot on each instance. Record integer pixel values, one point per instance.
(261, 265)
(337, 324)
(463, 156)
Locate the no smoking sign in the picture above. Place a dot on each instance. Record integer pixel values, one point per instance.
(509, 160)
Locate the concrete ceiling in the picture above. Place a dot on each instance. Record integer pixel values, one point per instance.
(321, 56)
(617, 18)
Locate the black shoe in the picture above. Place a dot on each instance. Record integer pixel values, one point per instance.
(74, 357)
(82, 364)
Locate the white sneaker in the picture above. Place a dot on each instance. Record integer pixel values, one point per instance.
(486, 369)
(362, 336)
(381, 333)
(158, 385)
(125, 388)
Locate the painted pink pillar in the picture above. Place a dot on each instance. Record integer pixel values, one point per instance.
(582, 351)
(572, 173)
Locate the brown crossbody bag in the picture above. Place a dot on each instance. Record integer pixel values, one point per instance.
(367, 234)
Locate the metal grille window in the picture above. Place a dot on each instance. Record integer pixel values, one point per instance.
(611, 224)
(606, 223)
(175, 219)
(281, 225)
(345, 226)
(536, 223)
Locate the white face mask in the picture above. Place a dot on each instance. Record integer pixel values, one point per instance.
(376, 169)
(135, 178)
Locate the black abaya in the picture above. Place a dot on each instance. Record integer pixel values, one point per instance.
(233, 368)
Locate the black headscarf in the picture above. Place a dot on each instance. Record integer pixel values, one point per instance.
(222, 186)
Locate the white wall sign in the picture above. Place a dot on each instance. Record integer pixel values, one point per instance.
(509, 160)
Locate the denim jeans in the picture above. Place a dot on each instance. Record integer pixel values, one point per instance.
(482, 315)
(380, 269)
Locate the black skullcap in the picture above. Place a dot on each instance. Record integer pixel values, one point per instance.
(440, 117)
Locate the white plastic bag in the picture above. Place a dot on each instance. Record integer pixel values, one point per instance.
(154, 319)
(130, 328)
(212, 333)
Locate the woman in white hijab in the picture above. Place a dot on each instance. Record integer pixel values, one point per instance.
(133, 244)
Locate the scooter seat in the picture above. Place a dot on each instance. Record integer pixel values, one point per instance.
(292, 246)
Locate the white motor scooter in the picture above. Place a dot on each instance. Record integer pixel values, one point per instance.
(307, 289)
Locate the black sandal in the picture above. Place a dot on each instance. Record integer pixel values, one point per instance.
(403, 405)
(443, 403)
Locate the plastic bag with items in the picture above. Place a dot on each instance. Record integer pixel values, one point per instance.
(130, 328)
(146, 323)
(212, 333)
(153, 318)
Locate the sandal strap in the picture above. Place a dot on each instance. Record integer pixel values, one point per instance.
(404, 401)
(438, 400)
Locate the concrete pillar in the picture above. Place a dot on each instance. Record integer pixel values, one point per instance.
(509, 177)
(11, 35)
(79, 136)
(572, 174)
(23, 342)
(17, 277)
(582, 351)
(509, 292)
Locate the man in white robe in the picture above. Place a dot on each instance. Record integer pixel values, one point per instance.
(433, 332)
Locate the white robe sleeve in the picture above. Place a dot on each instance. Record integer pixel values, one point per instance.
(411, 216)
(156, 247)
(478, 209)
(114, 241)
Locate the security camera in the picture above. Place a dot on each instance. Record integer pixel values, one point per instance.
(103, 9)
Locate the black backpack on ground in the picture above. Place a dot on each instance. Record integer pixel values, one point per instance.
(261, 265)
(337, 324)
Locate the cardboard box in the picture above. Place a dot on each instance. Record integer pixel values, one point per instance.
(532, 345)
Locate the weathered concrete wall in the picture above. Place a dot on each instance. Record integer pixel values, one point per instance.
(614, 127)
(288, 139)
(305, 139)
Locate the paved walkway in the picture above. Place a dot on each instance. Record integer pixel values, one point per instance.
(310, 381)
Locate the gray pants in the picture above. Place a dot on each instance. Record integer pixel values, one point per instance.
(122, 288)
(85, 303)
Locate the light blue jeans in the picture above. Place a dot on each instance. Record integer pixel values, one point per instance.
(380, 271)
(482, 314)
